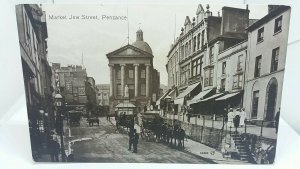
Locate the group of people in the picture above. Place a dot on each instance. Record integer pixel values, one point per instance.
(133, 139)
(236, 118)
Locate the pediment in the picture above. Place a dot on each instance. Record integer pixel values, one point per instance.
(129, 51)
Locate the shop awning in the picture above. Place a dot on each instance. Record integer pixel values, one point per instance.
(162, 97)
(227, 96)
(172, 94)
(212, 97)
(198, 97)
(125, 105)
(180, 98)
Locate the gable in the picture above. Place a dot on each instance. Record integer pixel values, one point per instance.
(128, 51)
(200, 9)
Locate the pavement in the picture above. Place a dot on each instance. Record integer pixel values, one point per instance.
(268, 132)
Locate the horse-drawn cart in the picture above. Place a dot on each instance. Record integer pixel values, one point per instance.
(151, 126)
(74, 117)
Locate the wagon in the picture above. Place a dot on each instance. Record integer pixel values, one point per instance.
(74, 117)
(151, 126)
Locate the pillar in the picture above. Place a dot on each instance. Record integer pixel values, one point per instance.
(122, 78)
(148, 80)
(111, 91)
(136, 80)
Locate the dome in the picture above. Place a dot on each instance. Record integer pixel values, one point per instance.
(140, 43)
(143, 45)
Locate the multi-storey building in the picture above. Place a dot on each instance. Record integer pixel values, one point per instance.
(71, 83)
(132, 76)
(192, 60)
(32, 30)
(267, 45)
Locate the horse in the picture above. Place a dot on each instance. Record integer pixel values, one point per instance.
(93, 120)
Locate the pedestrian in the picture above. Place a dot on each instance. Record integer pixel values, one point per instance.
(135, 141)
(230, 118)
(243, 117)
(277, 120)
(54, 148)
(130, 135)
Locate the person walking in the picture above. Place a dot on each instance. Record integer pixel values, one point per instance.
(230, 118)
(243, 117)
(130, 135)
(135, 141)
(54, 150)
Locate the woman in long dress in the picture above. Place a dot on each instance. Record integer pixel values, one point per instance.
(243, 117)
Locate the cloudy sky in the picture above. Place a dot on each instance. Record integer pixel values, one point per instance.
(69, 39)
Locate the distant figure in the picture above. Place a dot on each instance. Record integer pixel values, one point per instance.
(54, 148)
(130, 135)
(236, 122)
(135, 140)
(277, 120)
(230, 118)
(243, 116)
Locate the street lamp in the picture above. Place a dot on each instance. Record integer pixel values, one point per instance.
(59, 122)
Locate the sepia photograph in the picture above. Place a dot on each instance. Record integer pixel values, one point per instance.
(153, 83)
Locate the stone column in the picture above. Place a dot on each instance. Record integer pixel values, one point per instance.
(111, 68)
(136, 80)
(122, 78)
(148, 79)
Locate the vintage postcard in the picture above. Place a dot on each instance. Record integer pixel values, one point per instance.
(153, 83)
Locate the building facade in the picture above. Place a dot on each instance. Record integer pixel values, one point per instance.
(103, 94)
(193, 59)
(71, 83)
(32, 30)
(132, 75)
(267, 45)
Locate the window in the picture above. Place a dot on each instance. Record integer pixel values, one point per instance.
(119, 90)
(131, 91)
(186, 50)
(223, 68)
(274, 61)
(182, 52)
(118, 74)
(222, 88)
(255, 104)
(237, 81)
(194, 44)
(185, 74)
(190, 47)
(196, 67)
(240, 63)
(198, 41)
(143, 89)
(257, 66)
(143, 74)
(260, 35)
(211, 55)
(130, 74)
(278, 24)
(202, 38)
(208, 81)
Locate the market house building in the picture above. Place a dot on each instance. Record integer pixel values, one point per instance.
(132, 75)
(267, 45)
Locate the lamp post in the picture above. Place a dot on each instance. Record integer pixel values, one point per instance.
(59, 123)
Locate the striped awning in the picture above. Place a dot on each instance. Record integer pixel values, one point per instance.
(199, 97)
(227, 96)
(180, 98)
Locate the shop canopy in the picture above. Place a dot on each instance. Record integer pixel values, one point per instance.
(180, 98)
(162, 97)
(212, 97)
(199, 97)
(227, 96)
(125, 105)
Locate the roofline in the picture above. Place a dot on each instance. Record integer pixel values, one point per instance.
(268, 17)
(128, 45)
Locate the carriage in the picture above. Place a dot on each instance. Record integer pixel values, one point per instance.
(125, 114)
(151, 124)
(74, 117)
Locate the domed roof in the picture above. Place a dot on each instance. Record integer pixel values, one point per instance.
(140, 43)
(143, 45)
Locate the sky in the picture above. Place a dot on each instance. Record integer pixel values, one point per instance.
(69, 40)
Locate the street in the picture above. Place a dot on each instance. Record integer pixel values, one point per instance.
(105, 144)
